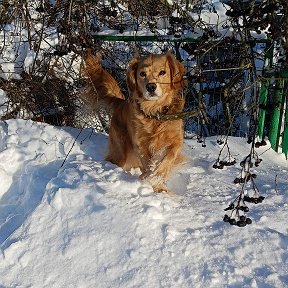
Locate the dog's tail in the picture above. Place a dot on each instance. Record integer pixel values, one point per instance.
(101, 89)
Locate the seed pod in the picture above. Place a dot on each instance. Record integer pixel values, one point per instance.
(241, 223)
(230, 207)
(248, 199)
(245, 209)
(248, 221)
(242, 218)
(255, 200)
(261, 198)
(263, 143)
(226, 218)
(232, 221)
(241, 180)
(236, 180)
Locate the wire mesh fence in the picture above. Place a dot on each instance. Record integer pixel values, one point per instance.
(218, 77)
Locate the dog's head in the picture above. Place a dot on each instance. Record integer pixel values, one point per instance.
(153, 77)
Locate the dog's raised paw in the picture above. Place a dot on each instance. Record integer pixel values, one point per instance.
(162, 189)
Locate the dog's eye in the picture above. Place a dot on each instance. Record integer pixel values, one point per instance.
(142, 74)
(162, 72)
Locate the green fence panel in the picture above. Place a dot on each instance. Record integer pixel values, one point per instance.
(285, 115)
(277, 110)
(262, 111)
(285, 135)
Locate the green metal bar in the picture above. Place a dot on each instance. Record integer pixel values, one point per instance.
(285, 135)
(262, 111)
(276, 115)
(138, 38)
(281, 116)
(154, 38)
(285, 132)
(269, 52)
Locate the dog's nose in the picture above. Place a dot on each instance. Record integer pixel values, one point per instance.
(151, 87)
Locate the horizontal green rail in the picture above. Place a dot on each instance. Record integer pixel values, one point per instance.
(155, 38)
(142, 38)
(285, 132)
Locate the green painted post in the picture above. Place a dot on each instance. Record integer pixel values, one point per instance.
(262, 111)
(285, 132)
(276, 115)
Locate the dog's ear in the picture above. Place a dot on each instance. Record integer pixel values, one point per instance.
(178, 71)
(131, 74)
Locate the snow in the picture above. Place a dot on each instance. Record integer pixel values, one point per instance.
(29, 60)
(87, 223)
(3, 101)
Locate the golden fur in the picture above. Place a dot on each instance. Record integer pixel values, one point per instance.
(136, 137)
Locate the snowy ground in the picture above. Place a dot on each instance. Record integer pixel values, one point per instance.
(89, 224)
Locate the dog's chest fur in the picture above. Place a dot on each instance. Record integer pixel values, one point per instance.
(153, 135)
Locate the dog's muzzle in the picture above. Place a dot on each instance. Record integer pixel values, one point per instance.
(152, 91)
(151, 87)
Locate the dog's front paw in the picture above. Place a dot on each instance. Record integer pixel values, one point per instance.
(160, 189)
(158, 184)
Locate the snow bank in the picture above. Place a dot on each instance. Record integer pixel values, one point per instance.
(89, 224)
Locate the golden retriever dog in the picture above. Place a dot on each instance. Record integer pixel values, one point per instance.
(139, 137)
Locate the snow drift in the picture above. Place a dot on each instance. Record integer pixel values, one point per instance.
(90, 224)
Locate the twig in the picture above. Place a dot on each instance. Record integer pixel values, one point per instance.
(276, 190)
(71, 147)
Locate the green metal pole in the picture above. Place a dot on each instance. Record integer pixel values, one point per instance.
(262, 111)
(276, 115)
(285, 132)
